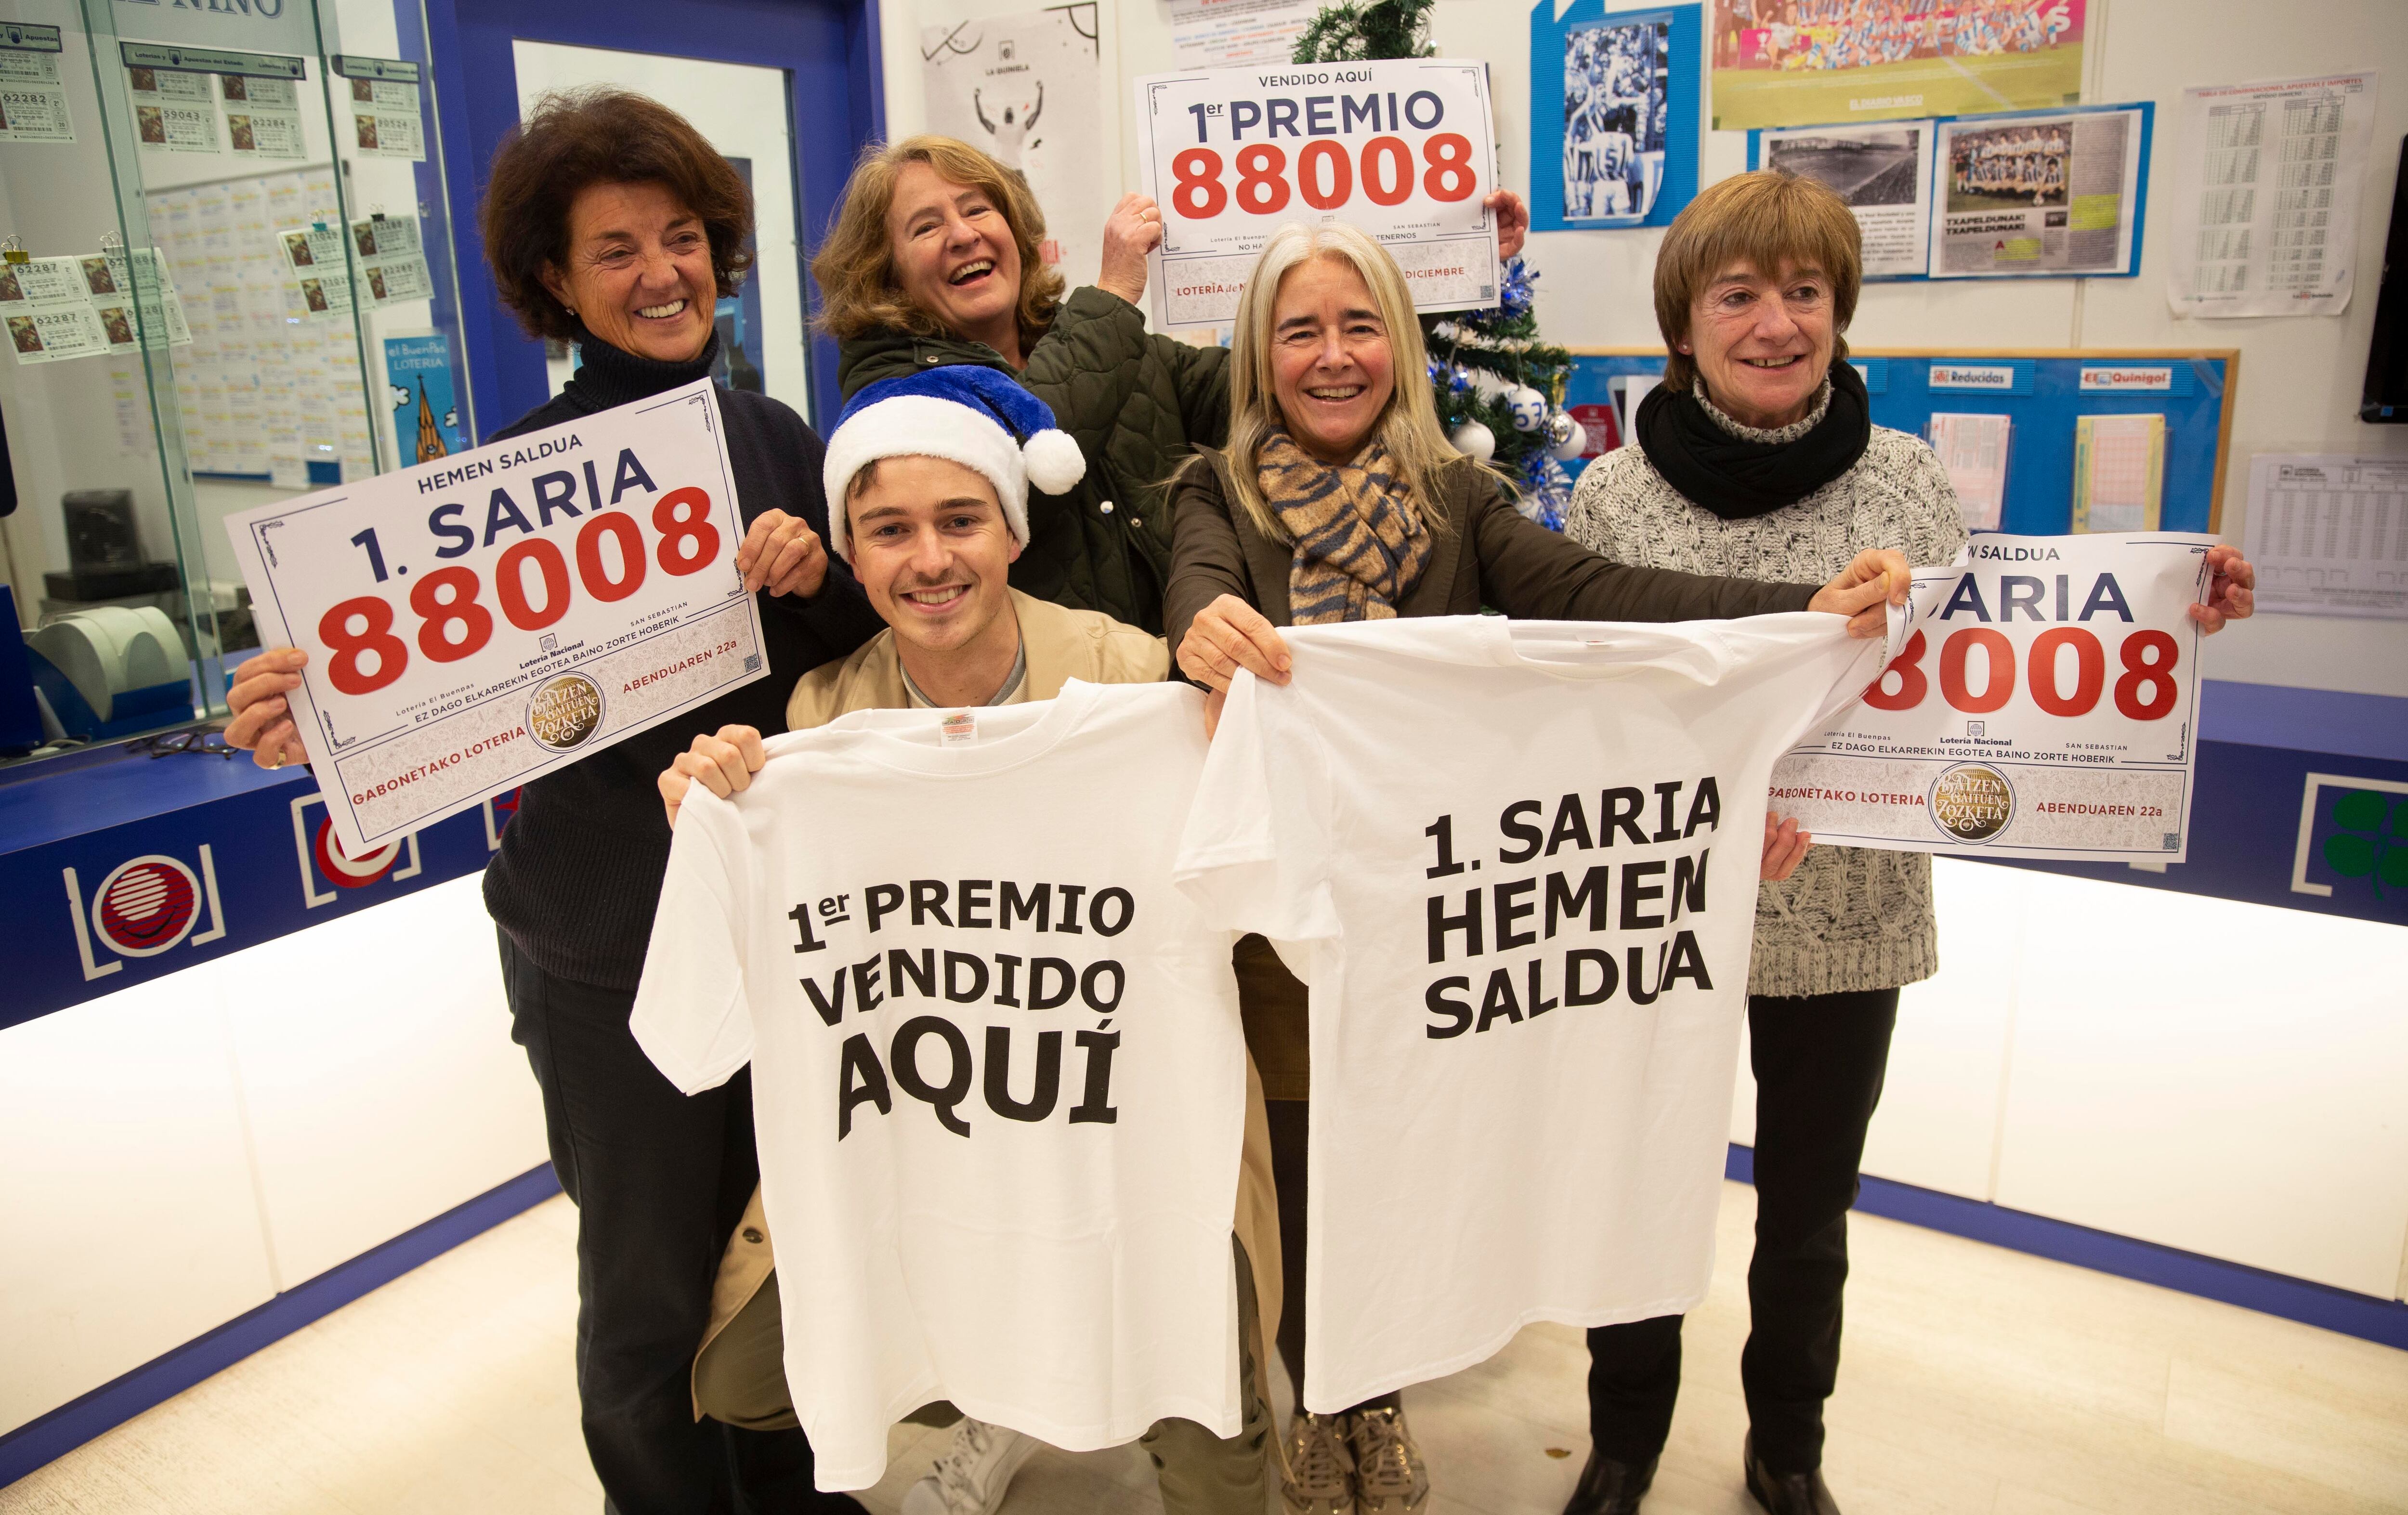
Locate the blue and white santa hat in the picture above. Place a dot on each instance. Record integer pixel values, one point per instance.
(978, 416)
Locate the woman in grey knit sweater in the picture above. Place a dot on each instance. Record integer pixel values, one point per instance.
(1757, 458)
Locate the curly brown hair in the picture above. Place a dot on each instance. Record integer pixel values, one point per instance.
(859, 293)
(575, 139)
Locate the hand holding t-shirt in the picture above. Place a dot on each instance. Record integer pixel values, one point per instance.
(1515, 862)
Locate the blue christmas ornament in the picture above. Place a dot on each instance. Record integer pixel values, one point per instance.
(1546, 491)
(1515, 291)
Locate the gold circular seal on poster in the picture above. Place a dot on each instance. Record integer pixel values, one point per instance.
(564, 711)
(1971, 802)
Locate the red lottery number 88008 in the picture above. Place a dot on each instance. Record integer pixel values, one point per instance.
(453, 625)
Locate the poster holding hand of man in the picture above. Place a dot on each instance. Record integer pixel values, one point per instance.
(478, 620)
(1400, 148)
(2044, 705)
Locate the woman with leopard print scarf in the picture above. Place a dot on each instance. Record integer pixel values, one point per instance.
(1339, 499)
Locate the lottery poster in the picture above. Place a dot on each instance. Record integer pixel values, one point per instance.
(1402, 149)
(483, 619)
(2046, 705)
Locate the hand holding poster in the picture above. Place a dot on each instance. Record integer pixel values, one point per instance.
(480, 621)
(2043, 707)
(1402, 149)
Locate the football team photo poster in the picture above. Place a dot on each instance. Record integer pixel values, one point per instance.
(1613, 116)
(1805, 63)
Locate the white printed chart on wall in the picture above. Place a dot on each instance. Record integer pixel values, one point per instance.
(1402, 149)
(1028, 90)
(271, 388)
(2044, 705)
(2329, 534)
(1236, 34)
(2265, 198)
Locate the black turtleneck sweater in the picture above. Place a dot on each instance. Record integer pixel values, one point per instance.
(579, 873)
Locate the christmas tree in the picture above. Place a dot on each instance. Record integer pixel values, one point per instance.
(1498, 388)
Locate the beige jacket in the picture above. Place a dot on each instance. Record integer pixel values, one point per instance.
(1061, 645)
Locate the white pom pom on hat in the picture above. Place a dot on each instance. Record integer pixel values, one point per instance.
(980, 418)
(1054, 462)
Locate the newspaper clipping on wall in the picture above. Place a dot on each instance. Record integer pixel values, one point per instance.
(1883, 173)
(2265, 197)
(2038, 195)
(2044, 705)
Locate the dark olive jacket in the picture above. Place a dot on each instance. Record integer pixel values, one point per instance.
(1135, 403)
(1493, 557)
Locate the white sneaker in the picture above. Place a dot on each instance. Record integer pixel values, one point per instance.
(975, 1473)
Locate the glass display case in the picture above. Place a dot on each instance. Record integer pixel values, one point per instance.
(228, 281)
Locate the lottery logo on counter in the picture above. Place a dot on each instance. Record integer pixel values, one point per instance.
(481, 619)
(324, 862)
(144, 906)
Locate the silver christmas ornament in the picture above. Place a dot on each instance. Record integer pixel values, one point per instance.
(1567, 438)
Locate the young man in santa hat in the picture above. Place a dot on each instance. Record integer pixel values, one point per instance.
(927, 485)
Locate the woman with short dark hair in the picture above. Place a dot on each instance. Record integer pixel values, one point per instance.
(611, 222)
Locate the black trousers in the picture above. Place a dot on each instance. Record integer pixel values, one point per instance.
(1291, 1123)
(659, 1179)
(1818, 1061)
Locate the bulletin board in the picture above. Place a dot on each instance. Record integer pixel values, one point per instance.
(2046, 391)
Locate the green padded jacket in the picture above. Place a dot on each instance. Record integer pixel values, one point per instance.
(1136, 403)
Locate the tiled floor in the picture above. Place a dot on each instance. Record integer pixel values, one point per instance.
(1976, 1380)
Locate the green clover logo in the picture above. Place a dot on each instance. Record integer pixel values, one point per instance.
(2373, 843)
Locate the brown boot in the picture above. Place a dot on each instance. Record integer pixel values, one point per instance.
(1316, 1470)
(1389, 1476)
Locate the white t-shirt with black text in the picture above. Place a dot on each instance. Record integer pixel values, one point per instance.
(998, 1078)
(1516, 863)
